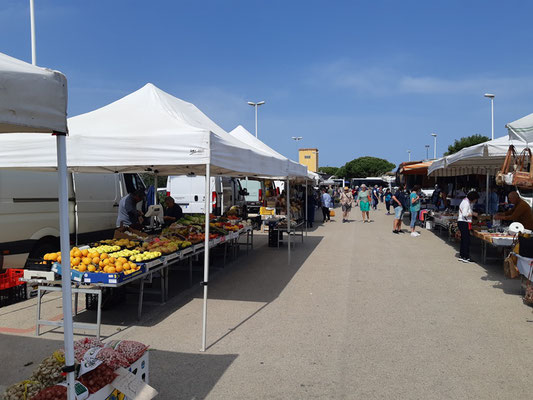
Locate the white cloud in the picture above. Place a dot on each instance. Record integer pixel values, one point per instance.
(378, 81)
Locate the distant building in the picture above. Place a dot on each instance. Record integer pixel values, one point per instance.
(309, 158)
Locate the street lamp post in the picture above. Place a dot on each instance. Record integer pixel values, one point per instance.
(427, 151)
(491, 97)
(297, 139)
(255, 105)
(409, 152)
(434, 145)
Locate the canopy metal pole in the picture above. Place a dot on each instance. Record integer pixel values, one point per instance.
(32, 25)
(288, 221)
(487, 194)
(306, 222)
(207, 206)
(65, 261)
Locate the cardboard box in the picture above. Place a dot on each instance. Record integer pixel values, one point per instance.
(120, 233)
(75, 276)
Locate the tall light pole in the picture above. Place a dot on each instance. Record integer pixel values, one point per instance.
(427, 151)
(409, 152)
(32, 24)
(255, 105)
(297, 139)
(491, 97)
(434, 145)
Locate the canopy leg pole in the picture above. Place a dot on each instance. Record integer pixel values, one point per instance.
(288, 222)
(65, 262)
(207, 206)
(306, 217)
(487, 194)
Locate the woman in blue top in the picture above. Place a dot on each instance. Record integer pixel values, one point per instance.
(414, 208)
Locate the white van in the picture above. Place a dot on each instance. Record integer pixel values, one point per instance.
(29, 211)
(188, 192)
(254, 198)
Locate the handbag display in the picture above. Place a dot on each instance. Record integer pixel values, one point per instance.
(504, 176)
(523, 175)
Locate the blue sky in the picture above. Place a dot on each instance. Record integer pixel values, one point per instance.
(353, 78)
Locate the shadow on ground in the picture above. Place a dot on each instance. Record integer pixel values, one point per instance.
(259, 276)
(493, 266)
(193, 376)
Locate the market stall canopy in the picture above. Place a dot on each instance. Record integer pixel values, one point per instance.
(32, 99)
(313, 176)
(479, 159)
(521, 129)
(294, 169)
(414, 168)
(147, 130)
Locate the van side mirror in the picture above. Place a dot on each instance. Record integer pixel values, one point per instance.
(244, 192)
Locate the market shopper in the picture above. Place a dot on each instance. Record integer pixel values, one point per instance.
(311, 206)
(128, 215)
(346, 200)
(414, 208)
(398, 201)
(173, 211)
(464, 222)
(326, 204)
(388, 197)
(364, 198)
(521, 212)
(375, 197)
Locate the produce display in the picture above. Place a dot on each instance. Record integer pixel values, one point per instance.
(96, 363)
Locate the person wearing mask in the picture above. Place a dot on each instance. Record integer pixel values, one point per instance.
(521, 212)
(346, 200)
(464, 222)
(128, 215)
(326, 204)
(414, 208)
(173, 211)
(364, 197)
(397, 201)
(388, 197)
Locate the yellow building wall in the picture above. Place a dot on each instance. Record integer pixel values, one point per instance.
(309, 158)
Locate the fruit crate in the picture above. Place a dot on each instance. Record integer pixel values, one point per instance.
(100, 277)
(13, 294)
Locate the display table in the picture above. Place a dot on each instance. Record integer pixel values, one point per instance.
(498, 240)
(161, 266)
(524, 265)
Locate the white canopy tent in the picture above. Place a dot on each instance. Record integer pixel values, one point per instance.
(34, 99)
(521, 129)
(484, 158)
(148, 130)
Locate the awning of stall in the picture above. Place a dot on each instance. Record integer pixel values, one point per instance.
(521, 129)
(32, 99)
(414, 168)
(147, 130)
(480, 159)
(293, 169)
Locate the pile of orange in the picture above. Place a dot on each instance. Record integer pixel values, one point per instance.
(88, 260)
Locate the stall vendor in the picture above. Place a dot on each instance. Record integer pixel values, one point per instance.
(173, 211)
(128, 215)
(521, 212)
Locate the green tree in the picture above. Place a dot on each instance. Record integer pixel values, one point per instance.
(328, 170)
(364, 167)
(465, 142)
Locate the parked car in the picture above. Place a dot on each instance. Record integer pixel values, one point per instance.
(29, 211)
(189, 193)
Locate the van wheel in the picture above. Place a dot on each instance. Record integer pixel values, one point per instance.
(42, 247)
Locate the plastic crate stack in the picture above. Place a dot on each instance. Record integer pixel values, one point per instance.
(11, 289)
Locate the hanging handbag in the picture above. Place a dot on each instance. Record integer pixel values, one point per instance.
(503, 176)
(523, 175)
(528, 296)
